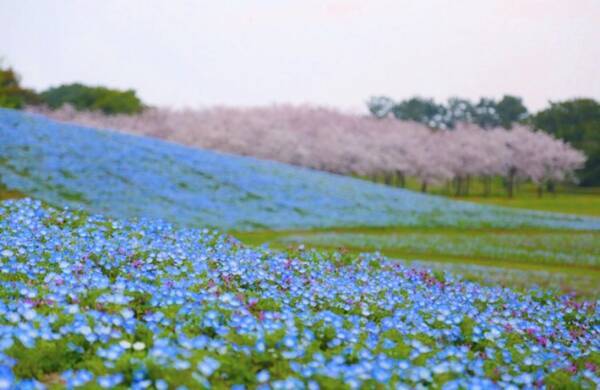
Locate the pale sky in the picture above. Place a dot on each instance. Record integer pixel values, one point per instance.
(336, 53)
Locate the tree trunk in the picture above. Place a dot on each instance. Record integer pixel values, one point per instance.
(387, 178)
(510, 183)
(400, 179)
(551, 187)
(540, 190)
(424, 186)
(487, 186)
(458, 186)
(467, 185)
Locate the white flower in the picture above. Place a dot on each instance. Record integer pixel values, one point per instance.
(139, 346)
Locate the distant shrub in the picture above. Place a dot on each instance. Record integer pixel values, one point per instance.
(83, 97)
(12, 94)
(576, 121)
(487, 113)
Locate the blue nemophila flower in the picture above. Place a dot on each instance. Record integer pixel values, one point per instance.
(263, 376)
(208, 365)
(161, 384)
(381, 374)
(144, 384)
(142, 304)
(7, 378)
(130, 176)
(113, 352)
(77, 378)
(110, 381)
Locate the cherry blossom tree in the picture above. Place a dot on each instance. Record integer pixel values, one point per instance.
(330, 140)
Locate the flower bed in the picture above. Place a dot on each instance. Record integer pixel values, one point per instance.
(88, 301)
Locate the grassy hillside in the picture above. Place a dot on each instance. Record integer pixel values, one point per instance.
(125, 176)
(580, 202)
(568, 199)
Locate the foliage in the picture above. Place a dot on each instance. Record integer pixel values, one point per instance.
(511, 110)
(82, 97)
(150, 306)
(486, 113)
(576, 121)
(459, 111)
(380, 106)
(125, 176)
(12, 94)
(420, 110)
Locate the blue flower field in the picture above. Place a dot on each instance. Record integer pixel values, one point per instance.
(120, 268)
(90, 301)
(130, 176)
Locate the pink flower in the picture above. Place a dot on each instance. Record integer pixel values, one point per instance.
(542, 340)
(591, 366)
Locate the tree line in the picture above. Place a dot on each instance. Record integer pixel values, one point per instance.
(486, 113)
(576, 121)
(384, 149)
(82, 97)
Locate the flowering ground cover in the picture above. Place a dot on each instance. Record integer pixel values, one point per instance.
(581, 283)
(126, 176)
(541, 247)
(90, 301)
(562, 260)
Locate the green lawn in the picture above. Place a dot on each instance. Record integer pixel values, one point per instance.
(571, 203)
(565, 199)
(5, 193)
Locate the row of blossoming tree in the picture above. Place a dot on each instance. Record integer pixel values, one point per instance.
(330, 140)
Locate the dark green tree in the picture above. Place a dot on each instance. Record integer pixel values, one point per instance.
(425, 111)
(576, 121)
(83, 97)
(459, 110)
(486, 113)
(510, 109)
(12, 94)
(380, 106)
